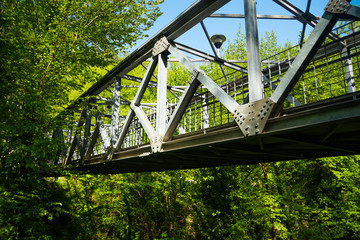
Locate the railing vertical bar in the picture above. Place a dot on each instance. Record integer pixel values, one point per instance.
(316, 82)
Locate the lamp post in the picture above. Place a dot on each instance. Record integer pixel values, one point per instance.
(218, 40)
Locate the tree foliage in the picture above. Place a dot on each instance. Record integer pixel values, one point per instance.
(50, 51)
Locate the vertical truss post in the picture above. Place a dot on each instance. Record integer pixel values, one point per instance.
(205, 113)
(115, 111)
(91, 146)
(102, 129)
(58, 135)
(65, 152)
(349, 72)
(87, 128)
(161, 115)
(253, 55)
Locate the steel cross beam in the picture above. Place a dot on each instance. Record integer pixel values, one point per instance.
(304, 17)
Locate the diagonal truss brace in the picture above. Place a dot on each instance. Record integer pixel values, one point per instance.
(198, 77)
(104, 135)
(155, 139)
(182, 105)
(76, 139)
(333, 11)
(302, 60)
(219, 93)
(91, 146)
(140, 93)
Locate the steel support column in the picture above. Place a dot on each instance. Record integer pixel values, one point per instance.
(205, 114)
(349, 72)
(115, 112)
(253, 56)
(103, 132)
(161, 115)
(91, 146)
(87, 128)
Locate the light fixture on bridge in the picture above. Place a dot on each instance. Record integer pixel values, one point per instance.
(218, 40)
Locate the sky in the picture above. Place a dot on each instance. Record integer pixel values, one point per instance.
(286, 30)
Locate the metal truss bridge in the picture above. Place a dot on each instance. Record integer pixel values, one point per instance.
(296, 104)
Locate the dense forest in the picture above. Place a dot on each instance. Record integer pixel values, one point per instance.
(53, 50)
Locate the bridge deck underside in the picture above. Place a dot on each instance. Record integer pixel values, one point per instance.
(326, 128)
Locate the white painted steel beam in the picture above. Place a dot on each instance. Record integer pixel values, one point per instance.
(256, 88)
(219, 93)
(115, 119)
(161, 109)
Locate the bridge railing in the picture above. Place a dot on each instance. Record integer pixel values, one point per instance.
(334, 71)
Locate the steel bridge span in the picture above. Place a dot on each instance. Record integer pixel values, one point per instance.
(299, 103)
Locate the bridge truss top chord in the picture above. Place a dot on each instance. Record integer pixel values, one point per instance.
(298, 103)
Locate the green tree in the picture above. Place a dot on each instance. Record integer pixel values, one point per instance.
(49, 49)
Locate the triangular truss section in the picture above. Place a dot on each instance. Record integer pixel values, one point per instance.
(250, 113)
